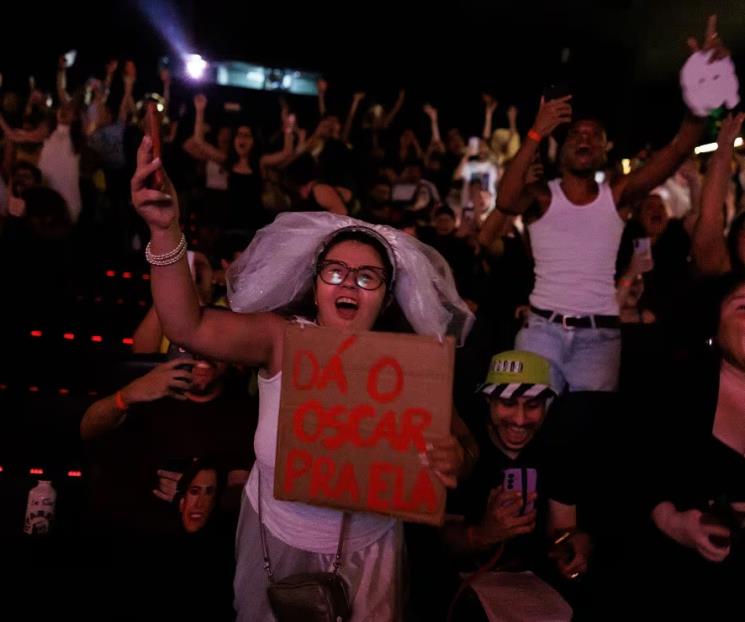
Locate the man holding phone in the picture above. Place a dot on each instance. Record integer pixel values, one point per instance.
(517, 482)
(575, 226)
(147, 433)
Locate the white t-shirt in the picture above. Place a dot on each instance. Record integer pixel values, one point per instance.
(217, 176)
(300, 525)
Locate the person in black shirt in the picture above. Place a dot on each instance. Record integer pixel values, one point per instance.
(695, 476)
(502, 529)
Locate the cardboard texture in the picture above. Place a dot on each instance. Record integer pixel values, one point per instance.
(356, 411)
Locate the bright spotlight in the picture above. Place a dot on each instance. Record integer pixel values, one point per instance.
(195, 66)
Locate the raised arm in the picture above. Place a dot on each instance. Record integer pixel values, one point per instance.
(490, 106)
(109, 413)
(435, 141)
(196, 146)
(709, 250)
(665, 162)
(661, 165)
(61, 81)
(389, 118)
(514, 195)
(358, 97)
(250, 339)
(498, 222)
(512, 144)
(690, 173)
(322, 86)
(282, 156)
(127, 105)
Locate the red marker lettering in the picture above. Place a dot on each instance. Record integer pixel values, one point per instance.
(299, 419)
(298, 464)
(413, 423)
(423, 495)
(373, 388)
(346, 486)
(297, 365)
(334, 370)
(322, 471)
(377, 486)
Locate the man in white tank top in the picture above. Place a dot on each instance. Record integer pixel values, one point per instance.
(575, 227)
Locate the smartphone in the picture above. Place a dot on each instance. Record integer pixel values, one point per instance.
(524, 480)
(152, 127)
(175, 351)
(555, 91)
(643, 247)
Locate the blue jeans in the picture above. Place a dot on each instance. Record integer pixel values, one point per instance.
(586, 359)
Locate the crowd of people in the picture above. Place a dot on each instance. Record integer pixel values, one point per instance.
(600, 310)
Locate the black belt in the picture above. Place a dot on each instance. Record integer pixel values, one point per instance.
(579, 321)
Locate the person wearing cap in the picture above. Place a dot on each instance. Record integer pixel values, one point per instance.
(349, 274)
(518, 394)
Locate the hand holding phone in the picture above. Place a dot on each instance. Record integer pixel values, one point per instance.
(552, 113)
(176, 352)
(152, 128)
(556, 90)
(522, 480)
(502, 520)
(643, 254)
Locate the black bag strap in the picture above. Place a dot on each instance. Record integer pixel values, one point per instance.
(265, 550)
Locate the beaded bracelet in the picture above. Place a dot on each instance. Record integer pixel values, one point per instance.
(169, 258)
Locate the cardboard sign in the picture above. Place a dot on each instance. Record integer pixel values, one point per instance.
(356, 411)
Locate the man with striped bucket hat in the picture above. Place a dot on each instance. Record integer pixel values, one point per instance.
(518, 387)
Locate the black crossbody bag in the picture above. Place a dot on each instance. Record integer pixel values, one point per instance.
(308, 596)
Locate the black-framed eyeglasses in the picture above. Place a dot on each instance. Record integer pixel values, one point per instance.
(334, 272)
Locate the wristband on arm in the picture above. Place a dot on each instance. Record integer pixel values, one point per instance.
(533, 134)
(119, 402)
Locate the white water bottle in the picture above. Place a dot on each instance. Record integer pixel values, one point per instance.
(42, 499)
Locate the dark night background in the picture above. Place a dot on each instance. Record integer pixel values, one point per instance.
(624, 60)
(623, 63)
